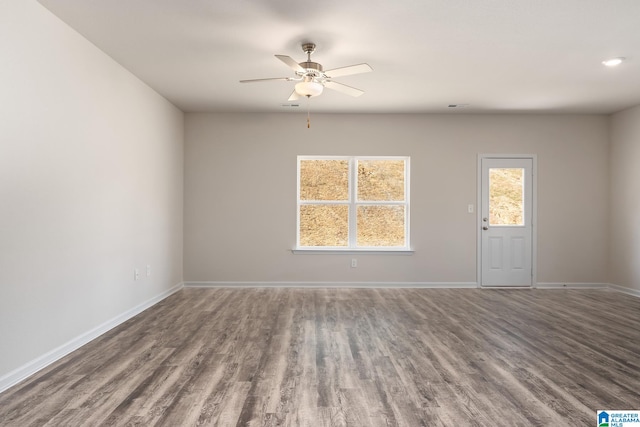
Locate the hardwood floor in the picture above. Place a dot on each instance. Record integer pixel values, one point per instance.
(348, 357)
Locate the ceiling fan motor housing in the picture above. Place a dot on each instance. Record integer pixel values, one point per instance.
(313, 68)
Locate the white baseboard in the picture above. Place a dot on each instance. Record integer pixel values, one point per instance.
(399, 285)
(625, 290)
(19, 374)
(570, 285)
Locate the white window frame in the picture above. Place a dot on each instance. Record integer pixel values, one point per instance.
(353, 203)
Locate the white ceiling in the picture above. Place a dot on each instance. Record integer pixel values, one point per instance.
(495, 55)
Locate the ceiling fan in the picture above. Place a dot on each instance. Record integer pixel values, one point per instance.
(312, 78)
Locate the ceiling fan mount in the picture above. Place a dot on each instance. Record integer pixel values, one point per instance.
(308, 48)
(312, 78)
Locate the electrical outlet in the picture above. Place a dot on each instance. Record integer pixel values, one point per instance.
(354, 262)
(148, 270)
(136, 274)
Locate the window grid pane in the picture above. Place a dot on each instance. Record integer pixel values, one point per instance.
(380, 225)
(324, 225)
(381, 180)
(324, 179)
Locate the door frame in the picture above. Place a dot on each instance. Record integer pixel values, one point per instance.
(534, 215)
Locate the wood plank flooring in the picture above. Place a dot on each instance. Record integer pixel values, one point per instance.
(348, 357)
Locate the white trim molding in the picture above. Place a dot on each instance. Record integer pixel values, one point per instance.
(352, 252)
(25, 371)
(396, 285)
(570, 285)
(625, 290)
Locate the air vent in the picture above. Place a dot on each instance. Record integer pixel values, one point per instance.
(289, 105)
(458, 105)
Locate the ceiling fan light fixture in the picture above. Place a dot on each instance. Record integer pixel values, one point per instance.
(309, 89)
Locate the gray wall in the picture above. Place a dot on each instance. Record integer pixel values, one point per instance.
(91, 167)
(624, 258)
(240, 193)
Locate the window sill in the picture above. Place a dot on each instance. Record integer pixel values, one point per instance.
(352, 251)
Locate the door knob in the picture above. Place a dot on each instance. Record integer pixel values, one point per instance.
(485, 228)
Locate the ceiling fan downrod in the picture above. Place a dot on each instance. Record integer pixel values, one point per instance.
(308, 48)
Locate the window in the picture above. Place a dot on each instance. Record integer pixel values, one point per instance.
(506, 196)
(353, 203)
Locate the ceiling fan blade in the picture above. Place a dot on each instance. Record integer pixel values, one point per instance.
(343, 88)
(286, 79)
(349, 70)
(294, 96)
(291, 63)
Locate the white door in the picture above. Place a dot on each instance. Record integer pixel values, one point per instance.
(506, 221)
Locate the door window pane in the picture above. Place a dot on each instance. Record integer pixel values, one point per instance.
(506, 196)
(324, 225)
(380, 225)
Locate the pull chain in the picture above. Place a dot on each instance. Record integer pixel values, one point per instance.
(308, 113)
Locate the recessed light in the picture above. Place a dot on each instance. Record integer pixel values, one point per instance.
(613, 62)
